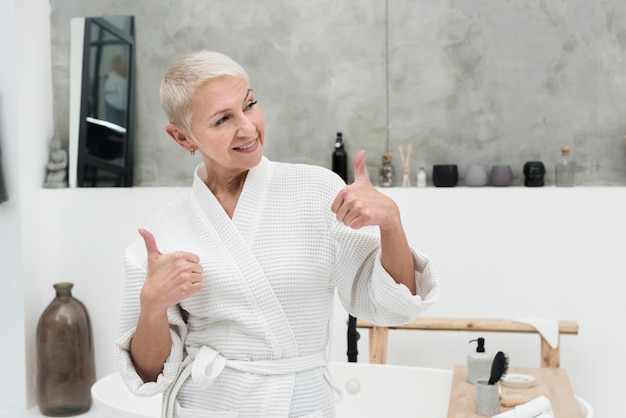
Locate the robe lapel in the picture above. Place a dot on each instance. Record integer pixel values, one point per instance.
(237, 234)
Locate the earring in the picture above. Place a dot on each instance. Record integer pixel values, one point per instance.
(192, 151)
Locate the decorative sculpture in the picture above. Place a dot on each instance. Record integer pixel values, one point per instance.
(56, 176)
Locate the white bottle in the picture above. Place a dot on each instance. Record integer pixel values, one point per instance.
(421, 177)
(478, 363)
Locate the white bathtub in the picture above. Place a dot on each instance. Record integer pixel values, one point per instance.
(369, 390)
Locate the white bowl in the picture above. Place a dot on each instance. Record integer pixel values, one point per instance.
(513, 380)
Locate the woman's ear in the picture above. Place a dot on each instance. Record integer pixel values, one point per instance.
(178, 135)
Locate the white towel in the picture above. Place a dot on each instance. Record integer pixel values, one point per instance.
(548, 328)
(539, 407)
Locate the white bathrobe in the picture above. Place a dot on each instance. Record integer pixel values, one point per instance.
(256, 338)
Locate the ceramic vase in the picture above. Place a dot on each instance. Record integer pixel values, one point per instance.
(65, 356)
(501, 175)
(445, 175)
(476, 176)
(533, 173)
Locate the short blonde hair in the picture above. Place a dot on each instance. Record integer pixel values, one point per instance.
(118, 65)
(185, 75)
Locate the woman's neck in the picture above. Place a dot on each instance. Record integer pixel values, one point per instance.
(227, 190)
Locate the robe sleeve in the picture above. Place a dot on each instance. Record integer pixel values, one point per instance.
(135, 276)
(365, 288)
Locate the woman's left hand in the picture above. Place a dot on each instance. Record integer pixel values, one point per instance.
(361, 204)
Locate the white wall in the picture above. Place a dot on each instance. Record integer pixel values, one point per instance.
(499, 252)
(25, 130)
(12, 389)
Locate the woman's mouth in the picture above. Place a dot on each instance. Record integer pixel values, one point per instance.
(248, 147)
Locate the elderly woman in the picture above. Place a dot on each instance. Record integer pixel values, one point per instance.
(230, 288)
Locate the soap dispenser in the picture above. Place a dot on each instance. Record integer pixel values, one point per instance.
(478, 363)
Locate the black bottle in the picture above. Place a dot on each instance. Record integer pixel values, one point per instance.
(340, 159)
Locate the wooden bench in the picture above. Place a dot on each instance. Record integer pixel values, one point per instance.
(550, 357)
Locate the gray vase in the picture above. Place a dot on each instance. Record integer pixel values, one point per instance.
(476, 176)
(501, 175)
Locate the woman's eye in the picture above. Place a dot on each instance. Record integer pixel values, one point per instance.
(251, 105)
(222, 120)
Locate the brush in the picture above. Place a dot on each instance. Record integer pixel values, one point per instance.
(499, 366)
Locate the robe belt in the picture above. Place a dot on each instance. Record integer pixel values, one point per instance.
(209, 363)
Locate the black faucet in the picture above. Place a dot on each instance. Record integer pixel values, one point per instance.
(353, 337)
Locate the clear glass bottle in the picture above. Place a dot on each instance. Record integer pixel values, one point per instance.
(65, 356)
(565, 175)
(386, 171)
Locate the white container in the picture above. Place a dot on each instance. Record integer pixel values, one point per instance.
(421, 177)
(486, 399)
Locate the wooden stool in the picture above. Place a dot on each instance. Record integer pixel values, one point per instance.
(550, 357)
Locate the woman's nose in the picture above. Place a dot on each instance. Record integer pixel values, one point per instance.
(246, 127)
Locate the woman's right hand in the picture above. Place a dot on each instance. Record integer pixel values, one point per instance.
(171, 277)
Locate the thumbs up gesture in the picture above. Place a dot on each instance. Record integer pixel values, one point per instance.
(171, 277)
(360, 203)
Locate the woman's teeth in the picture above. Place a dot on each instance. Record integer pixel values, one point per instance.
(245, 147)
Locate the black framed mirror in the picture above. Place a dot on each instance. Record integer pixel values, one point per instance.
(104, 126)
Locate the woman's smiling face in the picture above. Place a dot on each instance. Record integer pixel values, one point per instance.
(227, 125)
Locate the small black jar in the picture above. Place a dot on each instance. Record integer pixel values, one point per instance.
(533, 174)
(445, 175)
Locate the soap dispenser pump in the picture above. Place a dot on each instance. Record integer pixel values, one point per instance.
(478, 362)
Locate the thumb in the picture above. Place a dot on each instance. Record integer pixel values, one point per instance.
(151, 246)
(360, 171)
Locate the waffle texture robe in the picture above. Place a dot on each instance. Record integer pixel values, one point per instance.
(255, 341)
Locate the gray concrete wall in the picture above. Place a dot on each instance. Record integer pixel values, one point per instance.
(466, 82)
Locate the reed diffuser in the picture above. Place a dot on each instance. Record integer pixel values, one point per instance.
(406, 170)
